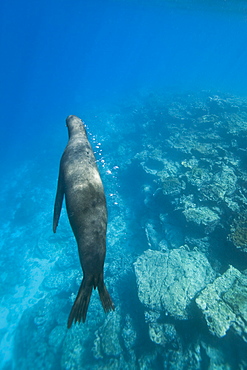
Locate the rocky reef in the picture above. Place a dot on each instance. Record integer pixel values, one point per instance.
(174, 170)
(224, 304)
(166, 280)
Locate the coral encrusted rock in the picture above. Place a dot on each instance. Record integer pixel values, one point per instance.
(224, 303)
(168, 281)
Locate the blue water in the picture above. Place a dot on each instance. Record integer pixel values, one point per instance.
(58, 57)
(115, 64)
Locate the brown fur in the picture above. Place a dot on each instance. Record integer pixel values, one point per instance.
(79, 181)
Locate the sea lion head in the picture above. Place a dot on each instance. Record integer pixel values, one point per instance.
(75, 125)
(73, 121)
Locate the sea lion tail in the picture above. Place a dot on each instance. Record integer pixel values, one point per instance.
(105, 297)
(78, 312)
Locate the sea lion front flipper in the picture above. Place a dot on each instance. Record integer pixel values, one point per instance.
(58, 201)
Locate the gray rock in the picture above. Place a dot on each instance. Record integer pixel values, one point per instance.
(169, 281)
(163, 334)
(107, 340)
(172, 186)
(73, 351)
(200, 244)
(153, 237)
(202, 216)
(224, 304)
(154, 162)
(172, 234)
(184, 358)
(128, 333)
(237, 124)
(238, 233)
(217, 358)
(148, 361)
(60, 280)
(56, 337)
(226, 181)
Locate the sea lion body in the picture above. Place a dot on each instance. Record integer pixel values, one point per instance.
(79, 181)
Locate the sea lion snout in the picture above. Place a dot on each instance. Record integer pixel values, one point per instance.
(71, 116)
(73, 119)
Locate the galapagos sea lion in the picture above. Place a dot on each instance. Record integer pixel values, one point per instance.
(79, 181)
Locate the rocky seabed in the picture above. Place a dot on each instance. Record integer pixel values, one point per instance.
(174, 170)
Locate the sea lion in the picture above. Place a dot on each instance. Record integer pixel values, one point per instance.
(79, 181)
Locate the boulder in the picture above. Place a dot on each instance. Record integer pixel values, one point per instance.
(224, 304)
(169, 281)
(202, 216)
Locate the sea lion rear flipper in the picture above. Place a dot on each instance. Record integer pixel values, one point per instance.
(79, 309)
(58, 202)
(105, 296)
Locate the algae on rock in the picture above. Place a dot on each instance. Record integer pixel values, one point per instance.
(224, 304)
(202, 216)
(169, 281)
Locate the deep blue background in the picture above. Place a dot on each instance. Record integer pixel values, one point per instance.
(61, 57)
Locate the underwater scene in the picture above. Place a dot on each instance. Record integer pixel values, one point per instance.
(161, 87)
